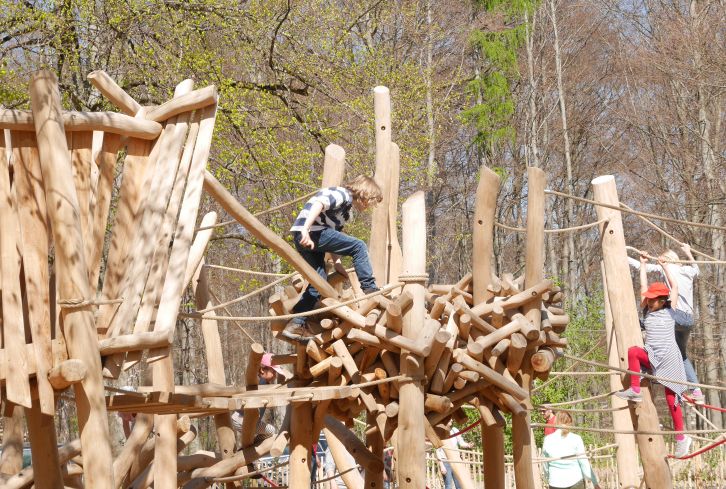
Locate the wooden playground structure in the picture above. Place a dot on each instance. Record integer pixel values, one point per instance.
(90, 290)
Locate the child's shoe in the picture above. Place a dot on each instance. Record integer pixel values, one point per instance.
(683, 447)
(697, 396)
(297, 331)
(370, 290)
(629, 395)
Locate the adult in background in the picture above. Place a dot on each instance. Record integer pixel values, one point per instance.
(569, 466)
(550, 420)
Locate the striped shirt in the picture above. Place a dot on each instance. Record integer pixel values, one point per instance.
(663, 352)
(337, 203)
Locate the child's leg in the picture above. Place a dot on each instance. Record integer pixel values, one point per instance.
(333, 241)
(676, 413)
(682, 335)
(637, 356)
(315, 259)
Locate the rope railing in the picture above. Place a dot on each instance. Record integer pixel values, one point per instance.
(625, 432)
(249, 272)
(252, 319)
(591, 350)
(636, 213)
(234, 478)
(682, 262)
(646, 376)
(552, 231)
(254, 293)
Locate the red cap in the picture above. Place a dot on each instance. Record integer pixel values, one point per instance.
(656, 289)
(267, 362)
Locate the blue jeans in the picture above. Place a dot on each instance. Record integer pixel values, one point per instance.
(449, 477)
(332, 241)
(684, 323)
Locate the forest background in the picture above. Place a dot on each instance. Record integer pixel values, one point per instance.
(633, 88)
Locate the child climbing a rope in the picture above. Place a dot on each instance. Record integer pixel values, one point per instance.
(661, 353)
(684, 275)
(318, 230)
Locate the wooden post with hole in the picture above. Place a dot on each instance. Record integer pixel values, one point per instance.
(377, 244)
(625, 322)
(481, 269)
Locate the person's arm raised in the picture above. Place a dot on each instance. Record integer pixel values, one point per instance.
(672, 283)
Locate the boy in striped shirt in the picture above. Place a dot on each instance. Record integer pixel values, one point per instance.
(318, 230)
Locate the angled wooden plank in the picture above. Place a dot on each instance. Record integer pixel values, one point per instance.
(34, 232)
(80, 143)
(160, 263)
(17, 386)
(101, 198)
(128, 213)
(174, 282)
(72, 270)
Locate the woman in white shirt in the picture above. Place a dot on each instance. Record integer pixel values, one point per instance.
(569, 467)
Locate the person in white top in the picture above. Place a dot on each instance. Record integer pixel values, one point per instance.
(684, 275)
(568, 467)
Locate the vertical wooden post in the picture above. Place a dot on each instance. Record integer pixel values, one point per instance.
(251, 416)
(627, 330)
(333, 166)
(411, 435)
(377, 245)
(395, 255)
(343, 462)
(11, 457)
(534, 273)
(626, 453)
(481, 269)
(215, 359)
(44, 449)
(72, 272)
(374, 441)
(301, 441)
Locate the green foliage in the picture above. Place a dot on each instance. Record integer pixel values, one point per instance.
(491, 89)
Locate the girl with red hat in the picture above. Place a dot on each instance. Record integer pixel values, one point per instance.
(661, 353)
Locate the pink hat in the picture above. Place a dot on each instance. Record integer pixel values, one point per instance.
(267, 362)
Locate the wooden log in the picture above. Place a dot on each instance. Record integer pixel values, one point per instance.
(464, 326)
(17, 386)
(393, 317)
(78, 323)
(124, 460)
(501, 347)
(504, 332)
(225, 467)
(67, 373)
(265, 235)
(440, 340)
(33, 216)
(110, 122)
(377, 244)
(301, 442)
(542, 360)
(26, 476)
(411, 450)
(517, 348)
(194, 100)
(226, 437)
(249, 421)
(133, 342)
(513, 302)
(11, 457)
(490, 375)
(354, 445)
(395, 258)
(440, 404)
(348, 363)
(626, 452)
(44, 448)
(350, 476)
(621, 293)
(113, 92)
(282, 438)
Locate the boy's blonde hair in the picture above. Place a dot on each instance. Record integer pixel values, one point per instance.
(365, 188)
(563, 418)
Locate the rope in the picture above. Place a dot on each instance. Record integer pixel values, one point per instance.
(271, 482)
(79, 303)
(596, 410)
(578, 401)
(684, 262)
(337, 474)
(253, 319)
(461, 432)
(707, 406)
(246, 296)
(647, 376)
(414, 277)
(233, 478)
(261, 213)
(636, 213)
(702, 450)
(624, 432)
(214, 296)
(664, 233)
(553, 231)
(250, 272)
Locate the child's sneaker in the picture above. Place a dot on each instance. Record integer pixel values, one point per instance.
(296, 331)
(683, 447)
(629, 395)
(370, 290)
(697, 396)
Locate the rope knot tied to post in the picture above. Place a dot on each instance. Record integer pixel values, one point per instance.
(81, 303)
(414, 278)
